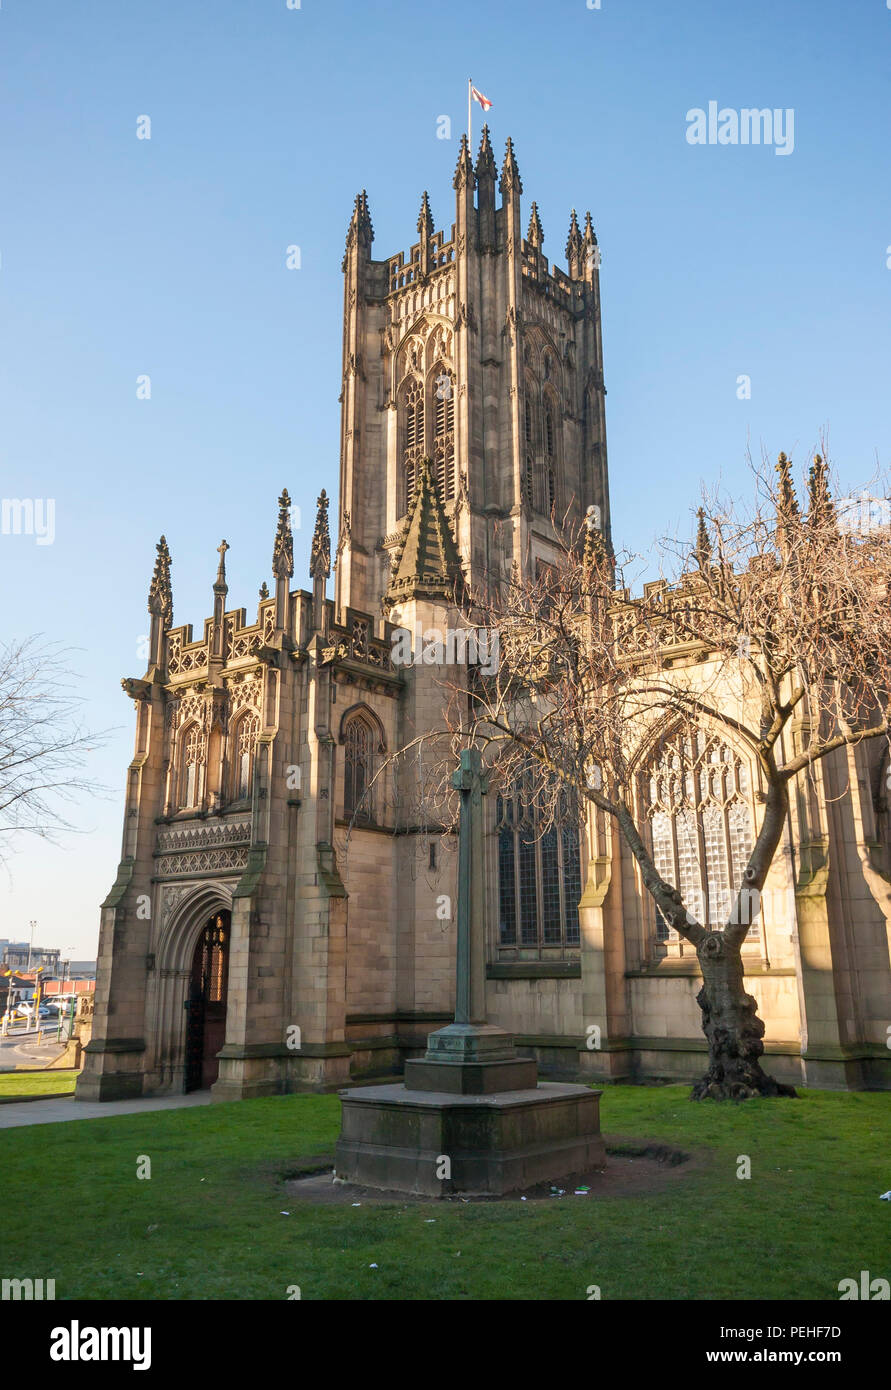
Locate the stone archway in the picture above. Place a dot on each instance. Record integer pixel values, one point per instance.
(206, 1004)
(181, 936)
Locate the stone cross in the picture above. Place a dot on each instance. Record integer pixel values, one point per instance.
(472, 783)
(470, 1056)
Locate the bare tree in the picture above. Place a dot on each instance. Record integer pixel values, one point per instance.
(775, 628)
(43, 747)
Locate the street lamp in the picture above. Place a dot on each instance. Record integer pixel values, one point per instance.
(69, 1004)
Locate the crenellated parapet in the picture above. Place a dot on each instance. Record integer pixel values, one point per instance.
(404, 269)
(188, 658)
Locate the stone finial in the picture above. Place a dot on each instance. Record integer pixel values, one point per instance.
(264, 590)
(320, 554)
(160, 598)
(535, 235)
(485, 160)
(787, 502)
(703, 548)
(574, 241)
(360, 231)
(464, 167)
(283, 550)
(425, 219)
(510, 174)
(220, 585)
(595, 550)
(820, 505)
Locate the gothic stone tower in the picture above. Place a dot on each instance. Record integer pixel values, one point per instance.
(272, 926)
(470, 350)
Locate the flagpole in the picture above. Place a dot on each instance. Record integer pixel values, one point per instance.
(470, 117)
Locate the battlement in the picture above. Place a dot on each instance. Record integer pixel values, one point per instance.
(352, 640)
(187, 657)
(551, 279)
(402, 272)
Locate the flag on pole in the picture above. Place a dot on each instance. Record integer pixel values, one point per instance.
(484, 102)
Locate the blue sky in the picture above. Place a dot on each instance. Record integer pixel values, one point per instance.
(121, 257)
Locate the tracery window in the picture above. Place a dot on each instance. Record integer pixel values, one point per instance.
(539, 872)
(191, 759)
(443, 444)
(358, 774)
(412, 436)
(529, 429)
(696, 794)
(541, 434)
(428, 429)
(550, 462)
(247, 731)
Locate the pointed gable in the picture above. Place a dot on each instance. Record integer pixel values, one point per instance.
(427, 563)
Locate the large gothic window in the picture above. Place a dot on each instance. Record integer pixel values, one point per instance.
(529, 442)
(191, 759)
(539, 873)
(696, 797)
(412, 436)
(549, 472)
(428, 430)
(443, 443)
(358, 769)
(246, 733)
(541, 441)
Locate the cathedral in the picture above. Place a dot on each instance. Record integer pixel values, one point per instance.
(281, 916)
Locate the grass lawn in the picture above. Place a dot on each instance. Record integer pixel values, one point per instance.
(208, 1223)
(36, 1083)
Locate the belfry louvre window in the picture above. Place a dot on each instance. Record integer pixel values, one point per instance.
(696, 798)
(444, 433)
(358, 771)
(412, 436)
(550, 479)
(539, 874)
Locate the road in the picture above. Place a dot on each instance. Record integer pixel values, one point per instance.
(23, 1050)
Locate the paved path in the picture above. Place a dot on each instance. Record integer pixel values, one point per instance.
(48, 1112)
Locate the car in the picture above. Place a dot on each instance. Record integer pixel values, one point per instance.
(27, 1008)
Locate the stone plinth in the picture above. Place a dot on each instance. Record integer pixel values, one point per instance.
(471, 1078)
(471, 1059)
(395, 1139)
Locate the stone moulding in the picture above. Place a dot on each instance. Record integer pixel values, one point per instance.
(203, 837)
(209, 861)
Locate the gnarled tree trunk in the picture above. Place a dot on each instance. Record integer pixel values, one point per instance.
(731, 1024)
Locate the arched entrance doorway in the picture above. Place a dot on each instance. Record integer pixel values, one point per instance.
(206, 1003)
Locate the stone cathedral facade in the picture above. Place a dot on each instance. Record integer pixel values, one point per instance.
(276, 922)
